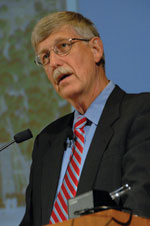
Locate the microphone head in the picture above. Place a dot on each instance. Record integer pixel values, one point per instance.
(22, 136)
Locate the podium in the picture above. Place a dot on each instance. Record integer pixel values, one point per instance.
(106, 218)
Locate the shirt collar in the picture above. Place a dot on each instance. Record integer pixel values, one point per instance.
(94, 111)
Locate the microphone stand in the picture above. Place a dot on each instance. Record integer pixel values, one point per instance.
(7, 145)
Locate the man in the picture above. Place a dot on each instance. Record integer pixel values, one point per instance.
(116, 135)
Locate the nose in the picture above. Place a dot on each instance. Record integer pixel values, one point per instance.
(55, 59)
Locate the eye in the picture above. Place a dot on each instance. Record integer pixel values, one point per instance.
(62, 47)
(45, 57)
(64, 44)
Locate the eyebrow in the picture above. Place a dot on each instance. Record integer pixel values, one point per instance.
(56, 40)
(43, 51)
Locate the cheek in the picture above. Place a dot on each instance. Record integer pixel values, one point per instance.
(79, 57)
(85, 64)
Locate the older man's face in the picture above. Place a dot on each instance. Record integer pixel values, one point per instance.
(74, 74)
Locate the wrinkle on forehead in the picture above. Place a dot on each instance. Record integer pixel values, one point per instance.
(64, 32)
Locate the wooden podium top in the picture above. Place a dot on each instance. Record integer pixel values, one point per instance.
(105, 218)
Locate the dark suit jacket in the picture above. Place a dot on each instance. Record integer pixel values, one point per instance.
(119, 154)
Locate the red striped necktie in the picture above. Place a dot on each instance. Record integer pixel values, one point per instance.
(70, 182)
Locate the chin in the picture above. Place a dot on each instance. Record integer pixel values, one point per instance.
(70, 92)
(67, 94)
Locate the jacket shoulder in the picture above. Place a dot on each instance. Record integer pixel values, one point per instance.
(133, 100)
(58, 125)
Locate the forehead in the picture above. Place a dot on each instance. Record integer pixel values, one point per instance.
(64, 32)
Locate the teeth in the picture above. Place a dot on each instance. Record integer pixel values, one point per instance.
(61, 72)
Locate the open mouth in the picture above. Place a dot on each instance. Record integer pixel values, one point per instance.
(63, 77)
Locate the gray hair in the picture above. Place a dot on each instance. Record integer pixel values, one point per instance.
(54, 21)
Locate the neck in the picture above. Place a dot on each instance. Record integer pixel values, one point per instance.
(82, 102)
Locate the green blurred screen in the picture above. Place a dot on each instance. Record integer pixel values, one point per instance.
(27, 99)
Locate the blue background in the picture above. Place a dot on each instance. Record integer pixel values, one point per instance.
(124, 26)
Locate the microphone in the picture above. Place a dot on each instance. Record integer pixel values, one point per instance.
(19, 137)
(69, 137)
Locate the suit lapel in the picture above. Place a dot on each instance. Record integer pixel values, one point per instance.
(51, 168)
(101, 138)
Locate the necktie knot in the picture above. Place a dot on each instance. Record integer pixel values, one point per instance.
(80, 122)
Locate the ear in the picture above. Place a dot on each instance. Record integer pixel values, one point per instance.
(96, 48)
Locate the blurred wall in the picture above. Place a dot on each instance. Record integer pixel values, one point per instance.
(27, 99)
